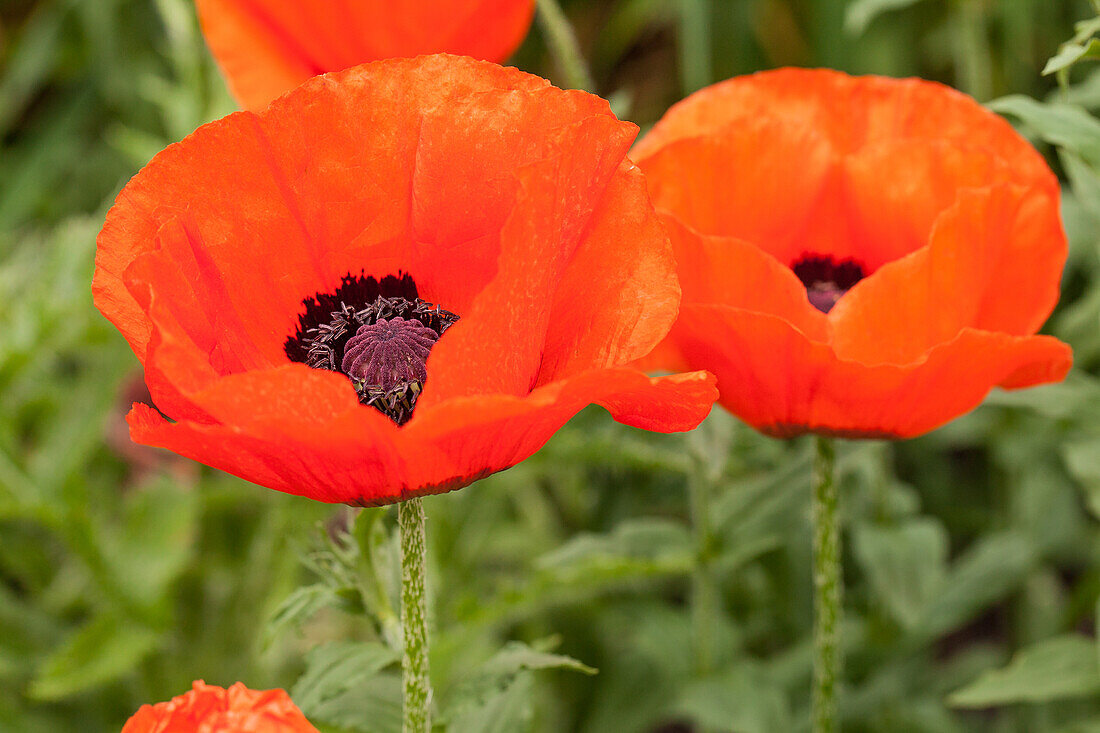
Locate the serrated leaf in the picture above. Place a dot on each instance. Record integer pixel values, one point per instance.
(988, 571)
(1059, 124)
(346, 684)
(102, 651)
(504, 711)
(905, 565)
(635, 548)
(485, 687)
(741, 700)
(300, 606)
(1054, 669)
(518, 657)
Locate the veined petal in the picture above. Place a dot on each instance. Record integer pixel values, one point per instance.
(268, 47)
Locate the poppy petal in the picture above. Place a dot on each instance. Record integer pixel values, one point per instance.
(497, 347)
(993, 264)
(782, 383)
(210, 708)
(441, 449)
(851, 112)
(480, 435)
(762, 182)
(499, 194)
(739, 274)
(268, 47)
(618, 296)
(896, 190)
(337, 179)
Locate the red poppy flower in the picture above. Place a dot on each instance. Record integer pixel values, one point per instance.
(210, 709)
(268, 47)
(282, 276)
(863, 257)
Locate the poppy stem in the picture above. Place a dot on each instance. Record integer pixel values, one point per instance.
(564, 46)
(696, 19)
(414, 621)
(827, 586)
(704, 591)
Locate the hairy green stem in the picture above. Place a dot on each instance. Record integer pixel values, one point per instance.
(414, 620)
(827, 587)
(563, 44)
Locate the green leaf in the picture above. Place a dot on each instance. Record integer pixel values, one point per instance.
(1059, 124)
(518, 657)
(905, 565)
(299, 607)
(152, 547)
(1054, 669)
(991, 569)
(636, 547)
(1082, 459)
(496, 697)
(100, 652)
(1078, 395)
(742, 700)
(505, 711)
(346, 685)
(1070, 54)
(861, 12)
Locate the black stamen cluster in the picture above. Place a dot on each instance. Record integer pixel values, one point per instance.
(827, 279)
(821, 269)
(331, 320)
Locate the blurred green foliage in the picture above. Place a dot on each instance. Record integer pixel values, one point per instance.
(972, 555)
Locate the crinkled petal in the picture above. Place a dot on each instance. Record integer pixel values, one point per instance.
(763, 181)
(443, 448)
(993, 264)
(207, 708)
(851, 112)
(498, 346)
(618, 296)
(896, 190)
(733, 272)
(780, 382)
(336, 178)
(268, 47)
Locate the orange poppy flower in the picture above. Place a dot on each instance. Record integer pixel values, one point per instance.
(207, 708)
(861, 257)
(395, 280)
(268, 47)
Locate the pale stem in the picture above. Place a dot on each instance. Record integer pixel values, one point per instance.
(563, 44)
(827, 587)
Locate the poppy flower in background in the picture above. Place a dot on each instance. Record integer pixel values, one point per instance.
(267, 47)
(207, 708)
(859, 257)
(395, 280)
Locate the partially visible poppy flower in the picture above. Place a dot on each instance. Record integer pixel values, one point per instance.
(210, 709)
(268, 47)
(860, 257)
(395, 280)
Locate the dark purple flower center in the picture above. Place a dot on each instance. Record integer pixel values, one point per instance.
(378, 333)
(387, 353)
(827, 279)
